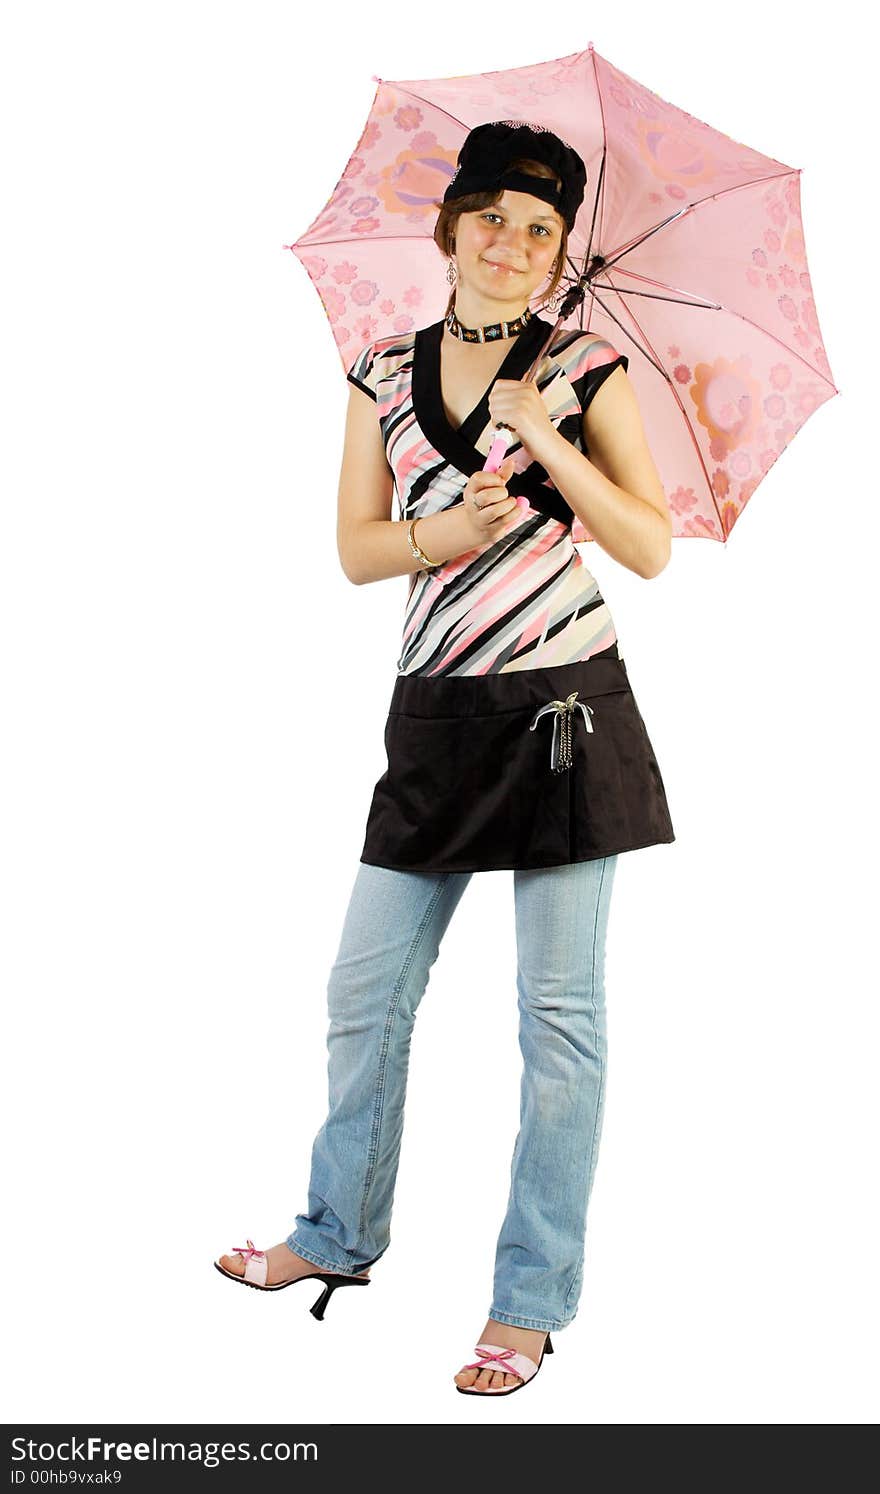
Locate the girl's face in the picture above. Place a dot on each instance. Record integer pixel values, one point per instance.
(504, 252)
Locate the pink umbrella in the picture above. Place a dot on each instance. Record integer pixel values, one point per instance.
(688, 255)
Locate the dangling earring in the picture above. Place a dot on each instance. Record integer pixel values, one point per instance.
(554, 300)
(450, 271)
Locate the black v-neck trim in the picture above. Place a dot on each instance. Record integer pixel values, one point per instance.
(456, 444)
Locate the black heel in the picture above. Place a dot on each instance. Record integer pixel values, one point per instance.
(331, 1281)
(548, 1347)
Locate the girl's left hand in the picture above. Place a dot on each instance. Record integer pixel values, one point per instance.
(520, 406)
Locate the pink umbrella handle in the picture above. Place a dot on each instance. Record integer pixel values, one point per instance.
(496, 456)
(497, 451)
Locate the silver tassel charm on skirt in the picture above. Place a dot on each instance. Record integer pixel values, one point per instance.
(560, 747)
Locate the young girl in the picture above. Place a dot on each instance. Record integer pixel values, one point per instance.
(513, 737)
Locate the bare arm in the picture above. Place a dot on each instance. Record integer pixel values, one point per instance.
(372, 546)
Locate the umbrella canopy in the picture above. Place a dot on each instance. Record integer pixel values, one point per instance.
(689, 246)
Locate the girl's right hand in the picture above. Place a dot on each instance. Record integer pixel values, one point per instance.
(490, 510)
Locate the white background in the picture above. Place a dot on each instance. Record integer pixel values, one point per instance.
(182, 813)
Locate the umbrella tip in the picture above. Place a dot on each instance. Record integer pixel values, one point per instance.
(375, 77)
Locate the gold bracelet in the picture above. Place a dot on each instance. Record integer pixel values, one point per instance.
(416, 548)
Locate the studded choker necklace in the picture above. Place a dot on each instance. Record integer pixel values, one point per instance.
(490, 333)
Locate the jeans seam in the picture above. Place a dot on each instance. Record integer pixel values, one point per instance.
(378, 1110)
(518, 1320)
(323, 1262)
(599, 1096)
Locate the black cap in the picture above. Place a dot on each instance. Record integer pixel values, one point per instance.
(483, 165)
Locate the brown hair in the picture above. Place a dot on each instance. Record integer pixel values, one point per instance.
(444, 228)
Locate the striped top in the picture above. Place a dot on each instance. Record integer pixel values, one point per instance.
(527, 601)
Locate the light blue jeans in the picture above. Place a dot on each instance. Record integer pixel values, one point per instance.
(390, 939)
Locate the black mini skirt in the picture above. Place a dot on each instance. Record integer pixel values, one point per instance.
(518, 770)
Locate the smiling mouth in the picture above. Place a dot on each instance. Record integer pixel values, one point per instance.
(508, 269)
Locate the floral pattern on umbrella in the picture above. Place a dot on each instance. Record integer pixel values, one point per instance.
(689, 245)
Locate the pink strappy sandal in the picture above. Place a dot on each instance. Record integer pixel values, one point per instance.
(509, 1362)
(256, 1269)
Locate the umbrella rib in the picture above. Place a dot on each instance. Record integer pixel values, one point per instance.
(623, 290)
(692, 206)
(599, 184)
(386, 238)
(592, 292)
(789, 352)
